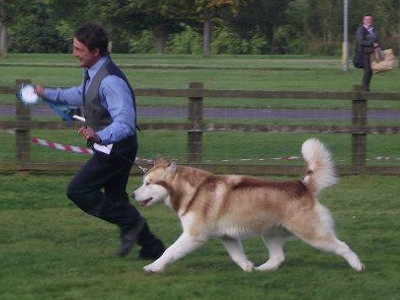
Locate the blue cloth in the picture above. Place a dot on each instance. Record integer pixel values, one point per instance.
(114, 95)
(61, 110)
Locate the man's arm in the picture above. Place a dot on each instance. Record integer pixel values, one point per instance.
(68, 96)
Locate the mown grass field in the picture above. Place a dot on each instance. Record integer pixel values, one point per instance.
(51, 250)
(217, 72)
(218, 148)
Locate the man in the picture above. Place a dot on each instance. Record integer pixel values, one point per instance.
(367, 41)
(109, 107)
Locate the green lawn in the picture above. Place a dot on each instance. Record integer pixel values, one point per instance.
(218, 147)
(218, 72)
(51, 250)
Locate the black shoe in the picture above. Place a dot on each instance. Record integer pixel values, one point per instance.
(129, 239)
(152, 251)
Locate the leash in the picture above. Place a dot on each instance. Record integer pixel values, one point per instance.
(144, 170)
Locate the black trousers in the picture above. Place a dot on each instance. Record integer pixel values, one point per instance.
(99, 189)
(367, 71)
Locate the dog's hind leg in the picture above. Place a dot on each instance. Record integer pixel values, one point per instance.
(185, 244)
(334, 245)
(317, 230)
(276, 255)
(236, 252)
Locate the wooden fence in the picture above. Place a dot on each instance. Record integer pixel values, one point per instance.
(195, 127)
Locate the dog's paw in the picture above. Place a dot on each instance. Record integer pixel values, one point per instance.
(246, 266)
(152, 268)
(269, 266)
(359, 267)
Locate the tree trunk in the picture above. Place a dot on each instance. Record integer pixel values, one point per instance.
(161, 37)
(206, 34)
(3, 35)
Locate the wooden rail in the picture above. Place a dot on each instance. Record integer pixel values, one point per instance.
(195, 127)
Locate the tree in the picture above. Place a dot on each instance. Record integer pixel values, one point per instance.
(3, 33)
(207, 10)
(6, 13)
(264, 17)
(33, 30)
(161, 17)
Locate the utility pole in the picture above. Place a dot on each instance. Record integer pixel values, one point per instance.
(345, 47)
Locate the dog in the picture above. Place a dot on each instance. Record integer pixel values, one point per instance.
(233, 207)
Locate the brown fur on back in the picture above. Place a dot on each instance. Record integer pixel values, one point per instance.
(212, 196)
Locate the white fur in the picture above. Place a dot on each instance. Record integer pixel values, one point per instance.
(150, 191)
(314, 225)
(320, 164)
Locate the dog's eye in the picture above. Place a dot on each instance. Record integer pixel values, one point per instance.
(147, 183)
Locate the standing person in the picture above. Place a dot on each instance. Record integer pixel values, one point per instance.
(367, 41)
(108, 101)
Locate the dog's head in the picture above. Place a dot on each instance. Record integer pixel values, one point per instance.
(155, 183)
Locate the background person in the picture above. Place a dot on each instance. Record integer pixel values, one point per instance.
(367, 41)
(108, 101)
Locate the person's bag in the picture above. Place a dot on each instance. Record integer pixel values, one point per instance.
(357, 60)
(377, 55)
(382, 61)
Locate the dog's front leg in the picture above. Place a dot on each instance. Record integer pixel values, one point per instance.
(185, 244)
(236, 252)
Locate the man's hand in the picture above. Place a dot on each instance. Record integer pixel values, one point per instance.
(89, 134)
(39, 90)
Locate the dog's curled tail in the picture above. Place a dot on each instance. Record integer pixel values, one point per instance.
(320, 168)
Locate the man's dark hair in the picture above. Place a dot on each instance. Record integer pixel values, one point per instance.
(368, 15)
(93, 36)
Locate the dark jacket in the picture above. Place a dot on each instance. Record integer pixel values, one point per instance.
(365, 40)
(97, 116)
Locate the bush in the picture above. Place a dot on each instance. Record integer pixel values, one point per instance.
(35, 33)
(325, 48)
(186, 42)
(297, 46)
(225, 41)
(142, 43)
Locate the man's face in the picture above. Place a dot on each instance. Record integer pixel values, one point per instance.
(85, 57)
(368, 21)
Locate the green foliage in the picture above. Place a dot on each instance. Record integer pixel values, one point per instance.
(33, 31)
(186, 42)
(142, 43)
(223, 41)
(240, 27)
(258, 43)
(327, 49)
(297, 46)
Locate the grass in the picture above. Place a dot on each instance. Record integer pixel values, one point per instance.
(218, 147)
(221, 72)
(185, 61)
(51, 250)
(218, 72)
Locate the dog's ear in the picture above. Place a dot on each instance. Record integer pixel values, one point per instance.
(159, 161)
(172, 166)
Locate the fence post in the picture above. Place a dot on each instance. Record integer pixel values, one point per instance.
(195, 118)
(22, 132)
(359, 139)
